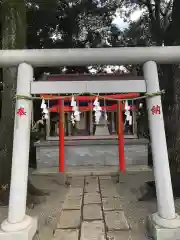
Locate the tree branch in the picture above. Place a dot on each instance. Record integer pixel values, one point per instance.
(157, 13)
(149, 6)
(168, 7)
(172, 33)
(167, 21)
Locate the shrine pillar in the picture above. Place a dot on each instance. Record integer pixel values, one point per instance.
(166, 216)
(134, 119)
(48, 126)
(113, 122)
(91, 121)
(18, 225)
(69, 124)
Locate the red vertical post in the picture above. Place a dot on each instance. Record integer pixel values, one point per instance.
(121, 137)
(61, 136)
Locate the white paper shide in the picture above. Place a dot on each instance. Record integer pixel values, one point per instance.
(98, 110)
(128, 113)
(75, 116)
(45, 113)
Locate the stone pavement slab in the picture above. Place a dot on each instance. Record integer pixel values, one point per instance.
(69, 219)
(77, 183)
(90, 198)
(73, 204)
(67, 234)
(106, 182)
(75, 192)
(116, 220)
(74, 178)
(111, 204)
(93, 231)
(107, 185)
(123, 235)
(91, 178)
(105, 177)
(91, 188)
(70, 197)
(109, 193)
(92, 212)
(92, 223)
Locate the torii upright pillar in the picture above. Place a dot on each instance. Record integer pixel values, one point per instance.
(165, 224)
(18, 225)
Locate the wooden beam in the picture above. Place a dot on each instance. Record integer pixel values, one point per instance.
(62, 87)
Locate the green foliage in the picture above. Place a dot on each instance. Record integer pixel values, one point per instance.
(158, 24)
(65, 24)
(71, 24)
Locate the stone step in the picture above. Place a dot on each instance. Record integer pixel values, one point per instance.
(91, 170)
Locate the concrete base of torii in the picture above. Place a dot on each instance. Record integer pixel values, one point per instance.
(24, 230)
(163, 229)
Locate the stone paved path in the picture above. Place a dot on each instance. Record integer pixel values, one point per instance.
(93, 210)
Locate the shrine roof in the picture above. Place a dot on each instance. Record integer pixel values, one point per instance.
(89, 77)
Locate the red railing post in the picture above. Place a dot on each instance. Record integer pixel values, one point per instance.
(61, 136)
(121, 137)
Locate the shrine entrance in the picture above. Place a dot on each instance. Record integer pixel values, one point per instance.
(165, 224)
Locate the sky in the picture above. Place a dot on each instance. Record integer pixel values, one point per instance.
(133, 17)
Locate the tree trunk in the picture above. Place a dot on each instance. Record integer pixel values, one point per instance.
(171, 110)
(13, 25)
(13, 15)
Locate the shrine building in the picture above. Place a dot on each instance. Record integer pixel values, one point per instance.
(87, 143)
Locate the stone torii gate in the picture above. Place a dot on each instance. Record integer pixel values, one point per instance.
(165, 224)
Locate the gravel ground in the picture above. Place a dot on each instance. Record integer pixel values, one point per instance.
(136, 211)
(48, 210)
